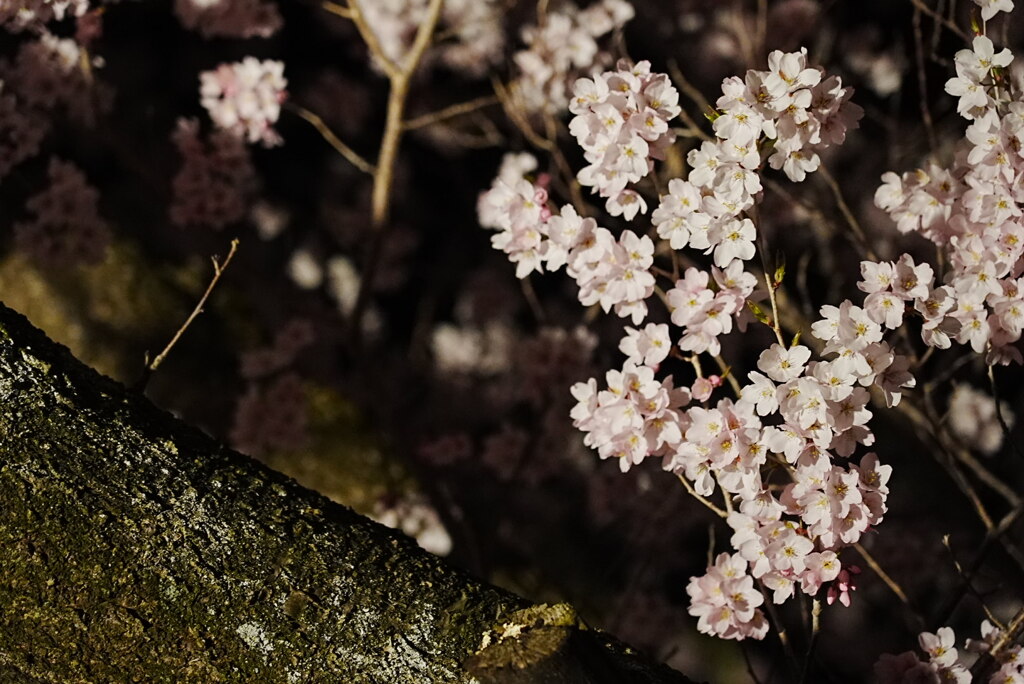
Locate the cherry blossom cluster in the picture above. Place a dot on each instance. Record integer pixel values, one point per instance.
(474, 26)
(563, 48)
(946, 663)
(611, 272)
(245, 98)
(704, 307)
(21, 15)
(621, 123)
(821, 406)
(48, 76)
(795, 413)
(973, 213)
(790, 110)
(725, 600)
(229, 18)
(216, 179)
(66, 228)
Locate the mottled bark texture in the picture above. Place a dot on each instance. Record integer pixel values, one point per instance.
(134, 548)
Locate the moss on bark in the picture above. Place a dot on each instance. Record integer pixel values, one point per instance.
(135, 548)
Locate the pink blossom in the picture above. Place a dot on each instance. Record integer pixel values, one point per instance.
(245, 98)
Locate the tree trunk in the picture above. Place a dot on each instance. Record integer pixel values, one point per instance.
(135, 548)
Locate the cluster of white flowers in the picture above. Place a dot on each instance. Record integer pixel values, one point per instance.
(791, 105)
(725, 600)
(704, 313)
(621, 123)
(796, 412)
(245, 98)
(21, 15)
(515, 206)
(563, 48)
(610, 272)
(474, 27)
(49, 76)
(229, 18)
(973, 419)
(822, 405)
(946, 663)
(973, 211)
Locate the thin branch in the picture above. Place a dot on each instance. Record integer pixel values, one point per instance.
(340, 10)
(922, 82)
(506, 95)
(344, 150)
(851, 220)
(999, 413)
(218, 271)
(728, 375)
(988, 661)
(383, 177)
(370, 38)
(812, 642)
(450, 112)
(919, 5)
(884, 576)
(693, 492)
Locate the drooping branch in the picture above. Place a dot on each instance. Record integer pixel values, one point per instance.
(136, 548)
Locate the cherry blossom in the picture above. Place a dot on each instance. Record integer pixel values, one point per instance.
(245, 98)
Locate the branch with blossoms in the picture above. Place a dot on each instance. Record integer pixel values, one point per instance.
(786, 457)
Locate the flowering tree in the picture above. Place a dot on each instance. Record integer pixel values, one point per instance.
(760, 320)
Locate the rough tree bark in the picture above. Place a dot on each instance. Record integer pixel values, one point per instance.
(135, 548)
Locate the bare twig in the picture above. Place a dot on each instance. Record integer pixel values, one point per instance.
(693, 492)
(922, 82)
(399, 77)
(919, 5)
(885, 577)
(851, 220)
(339, 10)
(370, 38)
(218, 271)
(344, 150)
(815, 628)
(450, 112)
(999, 413)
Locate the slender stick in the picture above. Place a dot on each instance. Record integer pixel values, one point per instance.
(340, 10)
(919, 5)
(851, 220)
(889, 581)
(450, 112)
(686, 483)
(922, 82)
(218, 271)
(370, 38)
(335, 142)
(400, 77)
